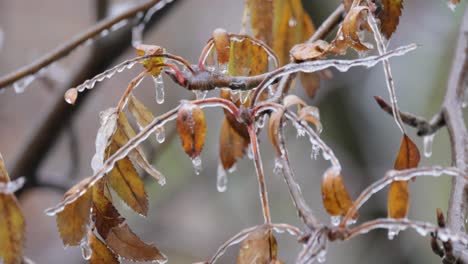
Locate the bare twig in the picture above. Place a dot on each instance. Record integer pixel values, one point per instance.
(63, 50)
(328, 25)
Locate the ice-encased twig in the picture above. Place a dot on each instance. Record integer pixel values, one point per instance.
(403, 175)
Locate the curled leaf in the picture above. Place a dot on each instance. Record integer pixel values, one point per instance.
(232, 146)
(191, 126)
(151, 64)
(12, 224)
(336, 199)
(353, 23)
(259, 247)
(311, 115)
(274, 125)
(126, 244)
(310, 51)
(221, 44)
(100, 252)
(398, 194)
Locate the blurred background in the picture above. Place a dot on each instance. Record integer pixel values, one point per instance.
(188, 218)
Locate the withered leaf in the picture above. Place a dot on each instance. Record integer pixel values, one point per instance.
(222, 45)
(398, 194)
(246, 58)
(104, 213)
(126, 244)
(348, 36)
(310, 51)
(100, 252)
(336, 199)
(152, 63)
(232, 146)
(126, 182)
(12, 224)
(73, 220)
(261, 19)
(274, 126)
(240, 128)
(259, 247)
(311, 115)
(191, 126)
(390, 16)
(142, 115)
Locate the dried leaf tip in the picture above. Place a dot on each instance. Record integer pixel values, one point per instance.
(191, 126)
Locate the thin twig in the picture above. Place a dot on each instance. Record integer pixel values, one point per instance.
(63, 50)
(328, 25)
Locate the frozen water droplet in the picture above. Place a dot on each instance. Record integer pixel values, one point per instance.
(278, 166)
(451, 6)
(234, 95)
(261, 121)
(351, 221)
(422, 231)
(104, 33)
(315, 151)
(335, 220)
(322, 256)
(250, 152)
(393, 232)
(244, 95)
(223, 68)
(428, 140)
(232, 169)
(197, 164)
(108, 120)
(85, 248)
(271, 90)
(160, 135)
(221, 181)
(200, 95)
(137, 34)
(325, 155)
(292, 22)
(21, 85)
(71, 95)
(300, 131)
(159, 87)
(11, 186)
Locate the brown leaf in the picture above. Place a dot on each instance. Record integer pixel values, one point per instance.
(222, 45)
(310, 51)
(311, 115)
(247, 58)
(191, 126)
(274, 125)
(73, 220)
(126, 244)
(259, 247)
(240, 128)
(336, 199)
(352, 24)
(261, 19)
(151, 64)
(398, 194)
(126, 182)
(390, 16)
(100, 252)
(105, 215)
(232, 146)
(142, 115)
(12, 224)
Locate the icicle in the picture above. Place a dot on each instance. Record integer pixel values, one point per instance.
(137, 34)
(271, 90)
(159, 86)
(11, 186)
(85, 248)
(351, 221)
(428, 140)
(200, 95)
(322, 256)
(160, 135)
(197, 164)
(221, 181)
(315, 151)
(232, 169)
(108, 120)
(335, 220)
(393, 232)
(244, 95)
(21, 85)
(104, 33)
(250, 152)
(278, 166)
(300, 131)
(223, 68)
(71, 95)
(261, 121)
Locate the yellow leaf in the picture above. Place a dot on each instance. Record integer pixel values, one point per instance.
(221, 44)
(12, 224)
(247, 58)
(152, 63)
(100, 252)
(142, 115)
(126, 244)
(261, 19)
(336, 199)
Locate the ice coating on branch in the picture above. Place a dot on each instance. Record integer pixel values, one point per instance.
(278, 167)
(235, 95)
(159, 88)
(108, 120)
(315, 152)
(160, 134)
(393, 232)
(21, 85)
(12, 186)
(428, 141)
(221, 179)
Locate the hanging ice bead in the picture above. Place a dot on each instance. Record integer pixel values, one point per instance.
(261, 121)
(159, 86)
(271, 90)
(234, 95)
(160, 135)
(244, 95)
(85, 248)
(223, 68)
(322, 256)
(428, 140)
(200, 95)
(315, 151)
(393, 232)
(197, 164)
(221, 180)
(71, 95)
(278, 166)
(335, 220)
(21, 85)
